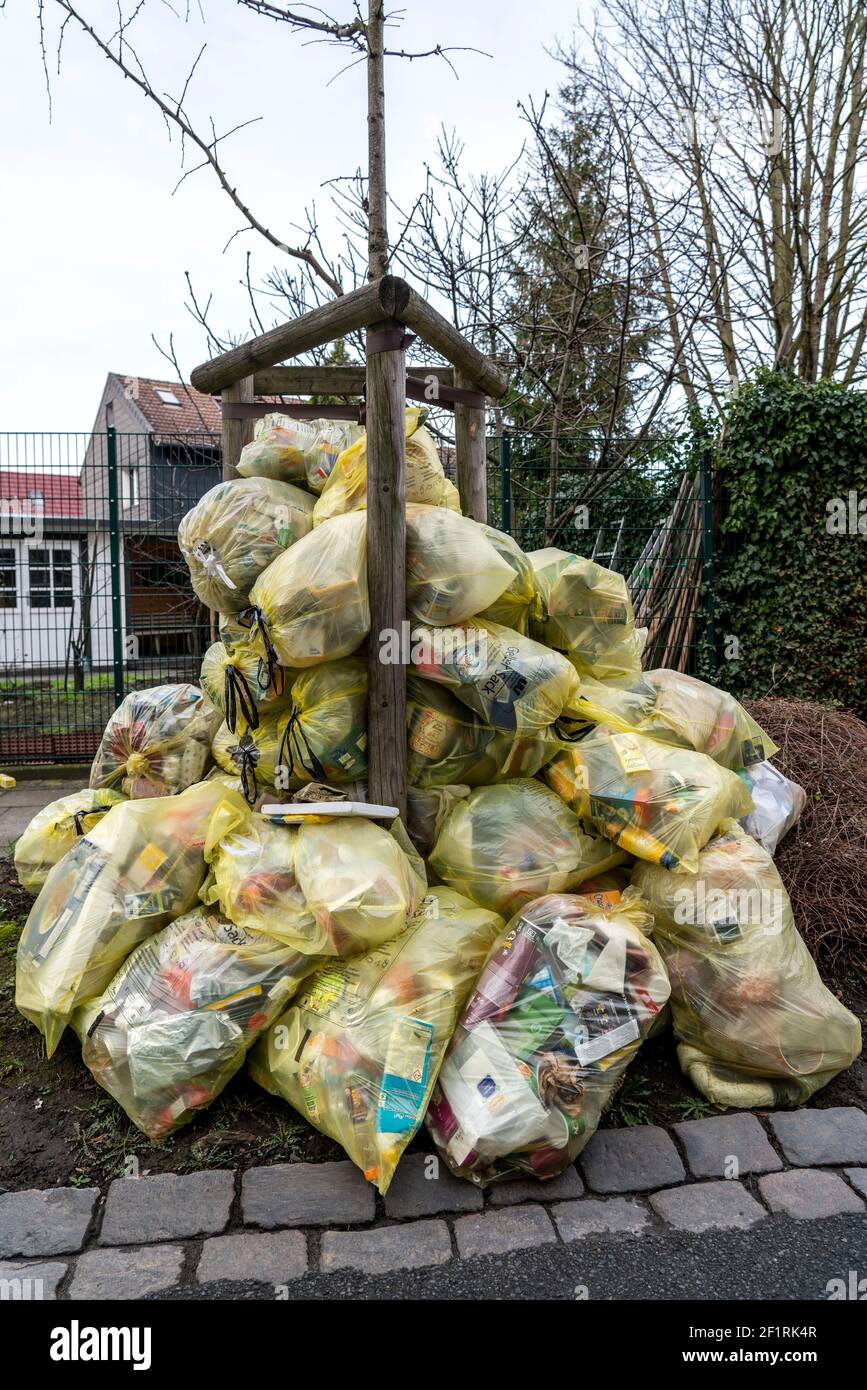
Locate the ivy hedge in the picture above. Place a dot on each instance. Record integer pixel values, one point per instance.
(792, 569)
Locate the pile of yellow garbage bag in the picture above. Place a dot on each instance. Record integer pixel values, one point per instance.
(157, 742)
(205, 906)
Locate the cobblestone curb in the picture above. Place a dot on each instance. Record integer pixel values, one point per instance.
(272, 1226)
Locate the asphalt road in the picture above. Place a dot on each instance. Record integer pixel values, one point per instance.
(778, 1259)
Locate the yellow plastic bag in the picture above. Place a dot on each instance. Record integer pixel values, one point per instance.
(426, 810)
(157, 742)
(757, 1026)
(559, 1012)
(311, 604)
(253, 881)
(345, 490)
(235, 531)
(296, 451)
(520, 603)
(658, 803)
(141, 866)
(323, 738)
(227, 779)
(587, 612)
(452, 570)
(512, 682)
(357, 1054)
(505, 845)
(447, 743)
(361, 882)
(176, 1021)
(254, 757)
(55, 829)
(237, 682)
(688, 713)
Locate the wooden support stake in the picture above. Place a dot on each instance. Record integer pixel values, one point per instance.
(470, 452)
(236, 433)
(386, 572)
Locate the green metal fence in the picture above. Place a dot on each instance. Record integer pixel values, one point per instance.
(95, 598)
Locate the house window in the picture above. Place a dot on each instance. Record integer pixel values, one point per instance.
(129, 487)
(167, 397)
(8, 580)
(50, 575)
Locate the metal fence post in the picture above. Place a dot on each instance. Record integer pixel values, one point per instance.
(506, 483)
(114, 551)
(707, 558)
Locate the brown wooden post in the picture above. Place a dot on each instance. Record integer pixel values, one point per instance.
(470, 452)
(236, 433)
(386, 567)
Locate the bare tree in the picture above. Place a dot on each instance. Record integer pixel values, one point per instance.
(744, 126)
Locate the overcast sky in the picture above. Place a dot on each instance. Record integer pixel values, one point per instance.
(93, 245)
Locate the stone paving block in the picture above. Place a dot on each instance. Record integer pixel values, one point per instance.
(591, 1217)
(35, 1283)
(858, 1179)
(808, 1137)
(638, 1159)
(47, 1222)
(264, 1257)
(167, 1206)
(808, 1193)
(126, 1274)
(708, 1206)
(307, 1194)
(509, 1194)
(413, 1193)
(499, 1232)
(413, 1246)
(711, 1143)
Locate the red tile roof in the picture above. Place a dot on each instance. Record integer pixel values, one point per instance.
(196, 414)
(61, 492)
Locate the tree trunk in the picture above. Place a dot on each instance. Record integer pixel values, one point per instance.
(377, 220)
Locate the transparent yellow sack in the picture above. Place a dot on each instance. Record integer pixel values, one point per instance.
(559, 1011)
(658, 803)
(345, 490)
(253, 881)
(296, 451)
(757, 1025)
(237, 683)
(505, 845)
(687, 713)
(235, 531)
(357, 1054)
(587, 612)
(157, 742)
(254, 757)
(55, 829)
(452, 570)
(361, 882)
(520, 603)
(265, 794)
(446, 742)
(512, 682)
(323, 738)
(141, 866)
(426, 810)
(176, 1021)
(311, 604)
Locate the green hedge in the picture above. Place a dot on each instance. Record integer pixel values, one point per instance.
(793, 592)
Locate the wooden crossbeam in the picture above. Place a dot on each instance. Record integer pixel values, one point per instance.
(332, 381)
